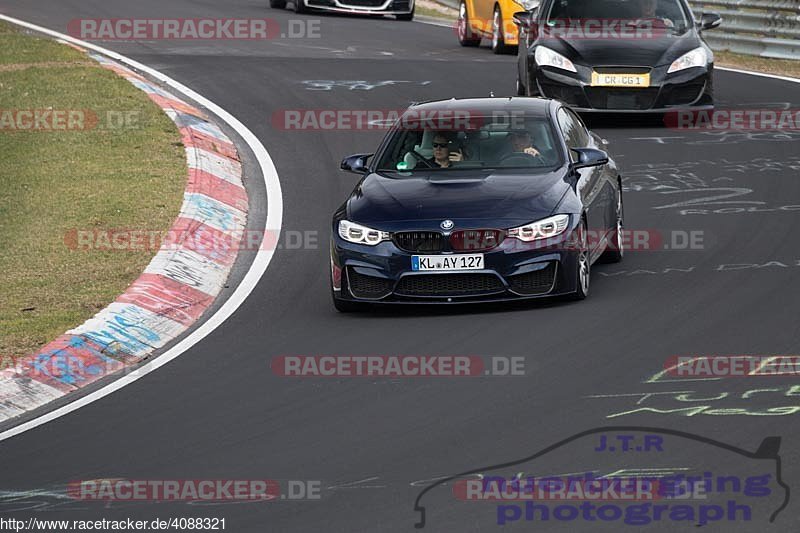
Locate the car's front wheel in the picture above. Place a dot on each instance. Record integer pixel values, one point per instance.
(617, 249)
(277, 4)
(498, 33)
(300, 6)
(520, 88)
(584, 267)
(466, 36)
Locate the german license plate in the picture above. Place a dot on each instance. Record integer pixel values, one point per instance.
(447, 262)
(635, 81)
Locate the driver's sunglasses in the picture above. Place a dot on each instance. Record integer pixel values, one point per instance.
(441, 145)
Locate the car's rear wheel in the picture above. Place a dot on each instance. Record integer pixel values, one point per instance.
(617, 250)
(277, 4)
(584, 267)
(465, 34)
(498, 33)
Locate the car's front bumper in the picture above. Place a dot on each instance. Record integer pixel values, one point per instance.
(690, 89)
(363, 7)
(512, 271)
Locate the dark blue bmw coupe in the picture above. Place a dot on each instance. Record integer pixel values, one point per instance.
(471, 200)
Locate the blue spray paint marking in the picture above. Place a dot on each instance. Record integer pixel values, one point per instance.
(212, 212)
(126, 329)
(185, 120)
(146, 87)
(65, 367)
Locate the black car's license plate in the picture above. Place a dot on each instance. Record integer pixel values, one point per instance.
(447, 262)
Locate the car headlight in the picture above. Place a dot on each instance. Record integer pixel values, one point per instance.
(549, 58)
(696, 58)
(542, 229)
(352, 232)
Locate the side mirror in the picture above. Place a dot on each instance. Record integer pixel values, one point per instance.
(523, 19)
(709, 21)
(589, 157)
(356, 163)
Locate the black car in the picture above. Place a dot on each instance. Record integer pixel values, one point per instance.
(513, 199)
(401, 9)
(616, 55)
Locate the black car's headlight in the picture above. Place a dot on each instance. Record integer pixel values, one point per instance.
(356, 233)
(541, 229)
(694, 58)
(550, 58)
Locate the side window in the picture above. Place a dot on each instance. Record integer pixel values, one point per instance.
(573, 129)
(581, 133)
(567, 126)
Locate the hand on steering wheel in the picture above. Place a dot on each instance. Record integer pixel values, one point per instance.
(523, 155)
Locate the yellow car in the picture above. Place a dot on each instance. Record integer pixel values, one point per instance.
(490, 19)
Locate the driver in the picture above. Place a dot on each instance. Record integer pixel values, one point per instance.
(521, 143)
(649, 8)
(442, 155)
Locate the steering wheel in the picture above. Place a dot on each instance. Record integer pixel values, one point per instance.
(522, 157)
(422, 159)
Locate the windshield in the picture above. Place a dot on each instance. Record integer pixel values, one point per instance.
(486, 142)
(669, 13)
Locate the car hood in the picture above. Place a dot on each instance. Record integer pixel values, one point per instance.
(439, 195)
(651, 52)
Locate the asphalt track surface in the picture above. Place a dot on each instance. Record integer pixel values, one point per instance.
(218, 411)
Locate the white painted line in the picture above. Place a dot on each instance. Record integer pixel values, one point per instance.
(251, 278)
(431, 21)
(762, 74)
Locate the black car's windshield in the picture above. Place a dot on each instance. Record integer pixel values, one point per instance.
(477, 143)
(668, 13)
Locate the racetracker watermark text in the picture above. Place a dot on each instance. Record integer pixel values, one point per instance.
(734, 120)
(397, 366)
(67, 120)
(192, 29)
(192, 489)
(722, 366)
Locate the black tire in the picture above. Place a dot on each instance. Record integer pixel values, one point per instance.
(710, 89)
(498, 34)
(530, 89)
(521, 91)
(300, 7)
(465, 35)
(407, 16)
(582, 277)
(616, 250)
(277, 4)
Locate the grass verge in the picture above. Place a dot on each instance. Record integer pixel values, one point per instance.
(126, 171)
(780, 67)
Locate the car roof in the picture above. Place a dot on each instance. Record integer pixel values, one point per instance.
(516, 104)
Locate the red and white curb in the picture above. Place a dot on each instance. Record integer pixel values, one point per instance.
(176, 288)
